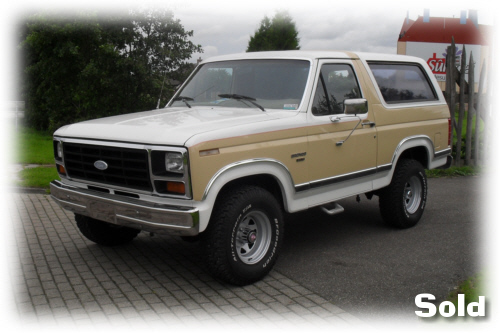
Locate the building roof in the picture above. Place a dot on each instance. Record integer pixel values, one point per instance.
(441, 30)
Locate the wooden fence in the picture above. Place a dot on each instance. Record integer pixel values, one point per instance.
(469, 148)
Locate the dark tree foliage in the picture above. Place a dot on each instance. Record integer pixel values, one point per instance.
(88, 65)
(278, 33)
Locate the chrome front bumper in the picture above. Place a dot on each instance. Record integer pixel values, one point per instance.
(127, 212)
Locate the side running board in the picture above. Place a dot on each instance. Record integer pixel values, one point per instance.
(332, 208)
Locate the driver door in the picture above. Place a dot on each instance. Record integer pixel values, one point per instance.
(342, 148)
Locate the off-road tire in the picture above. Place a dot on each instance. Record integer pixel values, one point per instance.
(244, 235)
(402, 203)
(104, 233)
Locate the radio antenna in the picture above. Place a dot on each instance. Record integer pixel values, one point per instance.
(161, 90)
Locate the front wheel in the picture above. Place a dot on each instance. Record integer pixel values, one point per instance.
(244, 235)
(402, 203)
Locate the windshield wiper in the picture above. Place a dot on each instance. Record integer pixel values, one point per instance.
(241, 97)
(184, 99)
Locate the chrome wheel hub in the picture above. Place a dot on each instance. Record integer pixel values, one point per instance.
(253, 237)
(412, 194)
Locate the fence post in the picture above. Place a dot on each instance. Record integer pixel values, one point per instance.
(486, 115)
(470, 112)
(461, 107)
(451, 92)
(479, 110)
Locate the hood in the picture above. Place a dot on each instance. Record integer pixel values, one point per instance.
(171, 126)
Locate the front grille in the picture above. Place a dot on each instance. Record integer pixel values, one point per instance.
(127, 167)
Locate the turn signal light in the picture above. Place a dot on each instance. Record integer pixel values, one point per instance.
(61, 169)
(176, 187)
(170, 187)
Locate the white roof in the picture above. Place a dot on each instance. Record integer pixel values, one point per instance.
(313, 55)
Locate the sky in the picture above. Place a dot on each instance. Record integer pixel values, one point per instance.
(351, 25)
(224, 27)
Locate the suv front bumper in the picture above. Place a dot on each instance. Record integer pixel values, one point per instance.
(129, 212)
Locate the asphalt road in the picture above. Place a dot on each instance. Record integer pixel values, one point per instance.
(374, 272)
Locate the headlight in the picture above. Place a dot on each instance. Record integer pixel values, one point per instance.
(170, 171)
(174, 162)
(58, 150)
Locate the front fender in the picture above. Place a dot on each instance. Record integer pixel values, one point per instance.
(247, 168)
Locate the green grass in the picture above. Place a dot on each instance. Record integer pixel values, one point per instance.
(472, 288)
(464, 124)
(32, 147)
(39, 177)
(464, 132)
(454, 172)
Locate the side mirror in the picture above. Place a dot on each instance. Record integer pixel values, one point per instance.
(355, 106)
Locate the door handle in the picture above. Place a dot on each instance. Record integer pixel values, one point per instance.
(368, 123)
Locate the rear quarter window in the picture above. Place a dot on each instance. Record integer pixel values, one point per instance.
(402, 83)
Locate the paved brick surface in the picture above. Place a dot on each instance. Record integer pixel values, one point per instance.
(60, 278)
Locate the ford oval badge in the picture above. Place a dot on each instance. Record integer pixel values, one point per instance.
(101, 165)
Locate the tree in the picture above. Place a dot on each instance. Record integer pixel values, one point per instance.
(88, 66)
(279, 33)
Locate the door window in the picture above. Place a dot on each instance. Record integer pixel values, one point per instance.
(336, 83)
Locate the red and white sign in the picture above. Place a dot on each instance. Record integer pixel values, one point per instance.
(435, 56)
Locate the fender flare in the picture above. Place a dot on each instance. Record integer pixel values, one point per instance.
(246, 168)
(251, 167)
(413, 142)
(434, 159)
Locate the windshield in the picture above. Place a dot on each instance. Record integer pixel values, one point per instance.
(264, 84)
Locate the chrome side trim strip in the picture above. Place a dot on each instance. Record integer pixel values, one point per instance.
(442, 153)
(384, 167)
(341, 178)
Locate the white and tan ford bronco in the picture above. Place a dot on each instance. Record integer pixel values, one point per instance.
(250, 136)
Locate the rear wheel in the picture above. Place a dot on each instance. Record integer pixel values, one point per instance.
(402, 203)
(244, 235)
(104, 233)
